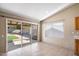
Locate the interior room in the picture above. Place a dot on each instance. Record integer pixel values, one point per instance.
(39, 29)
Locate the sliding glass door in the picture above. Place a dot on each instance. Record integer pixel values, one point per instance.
(20, 34)
(14, 35)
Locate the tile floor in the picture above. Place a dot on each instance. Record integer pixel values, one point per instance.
(40, 49)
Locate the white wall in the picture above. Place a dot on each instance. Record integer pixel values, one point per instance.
(68, 15)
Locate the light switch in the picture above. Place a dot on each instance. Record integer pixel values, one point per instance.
(2, 36)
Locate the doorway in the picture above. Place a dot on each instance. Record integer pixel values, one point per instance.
(20, 34)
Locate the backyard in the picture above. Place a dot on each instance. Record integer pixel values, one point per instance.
(12, 37)
(16, 37)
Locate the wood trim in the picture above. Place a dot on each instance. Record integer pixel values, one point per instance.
(77, 23)
(77, 47)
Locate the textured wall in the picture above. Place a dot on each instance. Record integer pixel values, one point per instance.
(2, 34)
(68, 15)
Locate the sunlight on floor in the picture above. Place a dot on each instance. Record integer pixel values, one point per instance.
(19, 42)
(40, 49)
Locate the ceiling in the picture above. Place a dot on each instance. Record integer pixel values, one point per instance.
(36, 11)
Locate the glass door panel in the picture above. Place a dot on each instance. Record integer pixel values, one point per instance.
(34, 33)
(26, 37)
(14, 35)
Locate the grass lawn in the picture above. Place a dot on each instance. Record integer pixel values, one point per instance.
(11, 38)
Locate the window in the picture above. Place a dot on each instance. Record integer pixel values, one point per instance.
(55, 30)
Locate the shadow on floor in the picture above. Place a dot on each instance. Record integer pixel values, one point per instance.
(11, 46)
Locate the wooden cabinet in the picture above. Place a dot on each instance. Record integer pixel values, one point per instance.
(77, 40)
(77, 47)
(77, 23)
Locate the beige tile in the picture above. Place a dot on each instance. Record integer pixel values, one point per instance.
(40, 49)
